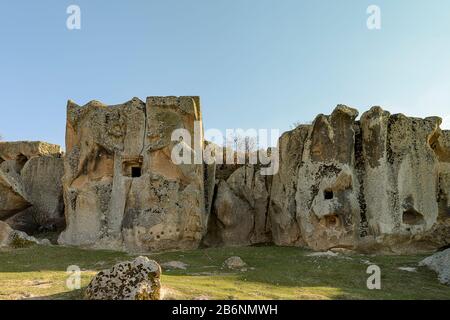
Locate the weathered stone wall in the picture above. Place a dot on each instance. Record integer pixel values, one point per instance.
(401, 175)
(378, 183)
(327, 186)
(121, 188)
(283, 205)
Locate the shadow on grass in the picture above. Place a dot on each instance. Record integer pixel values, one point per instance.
(56, 258)
(70, 295)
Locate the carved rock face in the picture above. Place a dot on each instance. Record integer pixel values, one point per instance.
(381, 182)
(327, 188)
(121, 187)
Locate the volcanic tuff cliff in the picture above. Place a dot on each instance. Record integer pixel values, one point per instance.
(378, 183)
(121, 188)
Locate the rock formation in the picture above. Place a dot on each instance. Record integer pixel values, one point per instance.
(30, 185)
(121, 188)
(378, 183)
(12, 197)
(239, 214)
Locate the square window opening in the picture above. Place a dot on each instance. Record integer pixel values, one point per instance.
(136, 172)
(328, 194)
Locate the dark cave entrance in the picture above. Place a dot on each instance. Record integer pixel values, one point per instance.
(412, 217)
(136, 172)
(132, 166)
(328, 194)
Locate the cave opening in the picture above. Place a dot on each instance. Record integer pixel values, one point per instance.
(21, 160)
(136, 172)
(331, 221)
(328, 194)
(412, 217)
(132, 166)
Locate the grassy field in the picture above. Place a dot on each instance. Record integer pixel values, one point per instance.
(273, 273)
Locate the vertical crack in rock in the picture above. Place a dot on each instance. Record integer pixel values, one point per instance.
(359, 167)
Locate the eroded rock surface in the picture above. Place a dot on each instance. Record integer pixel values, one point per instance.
(121, 188)
(401, 175)
(25, 150)
(30, 185)
(327, 187)
(377, 183)
(12, 196)
(283, 206)
(239, 214)
(130, 280)
(42, 183)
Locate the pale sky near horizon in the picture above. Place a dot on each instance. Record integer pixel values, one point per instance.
(255, 63)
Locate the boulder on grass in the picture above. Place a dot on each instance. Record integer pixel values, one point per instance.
(17, 239)
(440, 263)
(234, 263)
(130, 280)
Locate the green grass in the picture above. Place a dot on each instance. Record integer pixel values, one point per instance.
(39, 272)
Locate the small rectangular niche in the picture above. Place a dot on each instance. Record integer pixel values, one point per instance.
(328, 194)
(132, 166)
(136, 172)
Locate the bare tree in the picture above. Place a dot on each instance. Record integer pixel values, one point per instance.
(244, 147)
(299, 123)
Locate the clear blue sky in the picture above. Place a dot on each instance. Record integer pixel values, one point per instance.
(255, 63)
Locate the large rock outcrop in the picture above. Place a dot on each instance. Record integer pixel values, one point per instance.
(283, 206)
(42, 183)
(121, 188)
(400, 177)
(327, 187)
(239, 214)
(12, 197)
(30, 185)
(377, 183)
